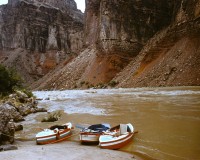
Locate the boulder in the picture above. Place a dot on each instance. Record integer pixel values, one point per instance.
(21, 94)
(10, 112)
(18, 127)
(41, 110)
(13, 111)
(7, 129)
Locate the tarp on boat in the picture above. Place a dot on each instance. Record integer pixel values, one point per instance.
(99, 127)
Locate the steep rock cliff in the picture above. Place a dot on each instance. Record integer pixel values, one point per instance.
(172, 56)
(134, 43)
(118, 30)
(123, 27)
(35, 35)
(140, 35)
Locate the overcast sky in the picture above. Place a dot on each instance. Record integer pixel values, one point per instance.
(80, 4)
(3, 2)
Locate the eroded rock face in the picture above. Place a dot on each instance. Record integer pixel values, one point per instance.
(124, 26)
(36, 36)
(38, 27)
(171, 57)
(135, 43)
(186, 10)
(146, 35)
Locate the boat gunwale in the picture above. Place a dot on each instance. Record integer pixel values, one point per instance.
(55, 141)
(117, 144)
(59, 132)
(116, 140)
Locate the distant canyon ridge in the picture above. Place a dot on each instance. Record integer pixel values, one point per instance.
(115, 43)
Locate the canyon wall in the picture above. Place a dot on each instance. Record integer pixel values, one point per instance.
(123, 43)
(36, 35)
(172, 56)
(135, 43)
(123, 27)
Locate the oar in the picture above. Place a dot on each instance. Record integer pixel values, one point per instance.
(135, 132)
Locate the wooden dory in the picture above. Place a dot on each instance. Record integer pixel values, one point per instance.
(91, 134)
(54, 134)
(117, 137)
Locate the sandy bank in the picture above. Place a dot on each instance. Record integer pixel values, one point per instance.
(62, 151)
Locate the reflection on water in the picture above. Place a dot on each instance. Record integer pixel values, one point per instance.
(168, 119)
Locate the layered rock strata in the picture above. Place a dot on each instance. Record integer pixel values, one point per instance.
(132, 43)
(116, 31)
(171, 57)
(123, 27)
(38, 35)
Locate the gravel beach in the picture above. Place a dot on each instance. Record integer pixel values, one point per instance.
(62, 151)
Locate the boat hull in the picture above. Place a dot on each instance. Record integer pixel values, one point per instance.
(54, 138)
(116, 143)
(92, 133)
(89, 137)
(48, 136)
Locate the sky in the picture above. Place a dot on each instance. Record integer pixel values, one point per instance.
(3, 2)
(80, 4)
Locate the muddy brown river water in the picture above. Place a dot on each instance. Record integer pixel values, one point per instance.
(167, 119)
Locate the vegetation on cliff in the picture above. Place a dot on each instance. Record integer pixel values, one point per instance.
(9, 80)
(16, 102)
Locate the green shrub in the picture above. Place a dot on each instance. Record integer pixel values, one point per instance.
(82, 83)
(101, 85)
(28, 92)
(9, 79)
(113, 83)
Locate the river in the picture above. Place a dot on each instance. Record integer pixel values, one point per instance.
(167, 119)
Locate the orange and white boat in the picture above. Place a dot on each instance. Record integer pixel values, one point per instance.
(54, 134)
(117, 137)
(92, 133)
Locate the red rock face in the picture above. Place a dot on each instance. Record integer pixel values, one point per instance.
(135, 43)
(171, 57)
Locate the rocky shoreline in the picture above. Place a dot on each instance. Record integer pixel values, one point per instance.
(12, 111)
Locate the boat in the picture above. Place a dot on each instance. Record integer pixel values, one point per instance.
(54, 134)
(92, 133)
(117, 137)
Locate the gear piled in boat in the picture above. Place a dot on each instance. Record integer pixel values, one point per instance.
(108, 138)
(117, 137)
(92, 133)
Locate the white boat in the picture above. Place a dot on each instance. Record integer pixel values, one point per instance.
(117, 137)
(91, 134)
(54, 134)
